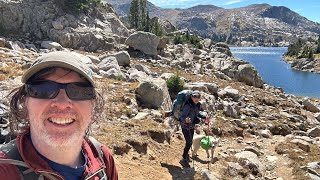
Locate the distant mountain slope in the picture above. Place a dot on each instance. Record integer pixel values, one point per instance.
(257, 24)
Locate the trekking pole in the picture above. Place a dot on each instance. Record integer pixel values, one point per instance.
(191, 145)
(208, 132)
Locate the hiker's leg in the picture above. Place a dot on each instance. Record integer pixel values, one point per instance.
(188, 144)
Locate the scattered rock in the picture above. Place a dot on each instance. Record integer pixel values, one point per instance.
(234, 168)
(251, 160)
(266, 133)
(140, 146)
(310, 106)
(121, 148)
(123, 58)
(144, 41)
(314, 132)
(153, 93)
(305, 146)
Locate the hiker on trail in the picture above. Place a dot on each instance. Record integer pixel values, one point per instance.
(189, 118)
(51, 114)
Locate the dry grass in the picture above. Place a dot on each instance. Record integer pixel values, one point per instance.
(316, 56)
(11, 70)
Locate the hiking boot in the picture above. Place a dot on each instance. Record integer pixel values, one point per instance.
(188, 158)
(184, 163)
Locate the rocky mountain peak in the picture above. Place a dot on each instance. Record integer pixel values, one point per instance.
(204, 8)
(253, 25)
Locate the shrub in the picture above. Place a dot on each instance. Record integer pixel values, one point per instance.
(175, 84)
(187, 38)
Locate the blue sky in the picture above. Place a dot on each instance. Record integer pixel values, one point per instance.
(307, 8)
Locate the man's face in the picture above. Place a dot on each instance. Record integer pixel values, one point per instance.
(59, 122)
(196, 100)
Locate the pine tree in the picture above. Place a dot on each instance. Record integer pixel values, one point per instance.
(147, 25)
(139, 18)
(318, 46)
(133, 14)
(142, 14)
(156, 27)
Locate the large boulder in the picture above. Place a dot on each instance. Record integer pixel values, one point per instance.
(248, 74)
(136, 75)
(123, 58)
(110, 68)
(98, 29)
(153, 93)
(144, 41)
(251, 160)
(223, 48)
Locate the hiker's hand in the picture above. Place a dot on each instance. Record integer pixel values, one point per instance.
(197, 128)
(206, 120)
(188, 120)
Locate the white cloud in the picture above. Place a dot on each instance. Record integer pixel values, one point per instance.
(190, 3)
(232, 2)
(298, 10)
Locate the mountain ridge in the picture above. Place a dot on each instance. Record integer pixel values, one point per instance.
(253, 25)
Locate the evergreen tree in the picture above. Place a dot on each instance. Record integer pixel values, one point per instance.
(142, 14)
(147, 25)
(318, 46)
(156, 27)
(139, 18)
(133, 14)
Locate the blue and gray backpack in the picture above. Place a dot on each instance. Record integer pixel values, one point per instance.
(179, 102)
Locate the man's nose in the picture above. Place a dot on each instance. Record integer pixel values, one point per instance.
(62, 100)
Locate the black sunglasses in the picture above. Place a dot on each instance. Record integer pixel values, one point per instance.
(50, 89)
(196, 96)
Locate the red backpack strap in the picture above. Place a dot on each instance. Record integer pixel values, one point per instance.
(11, 151)
(102, 172)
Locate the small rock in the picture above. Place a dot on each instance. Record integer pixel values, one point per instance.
(51, 45)
(140, 116)
(305, 146)
(234, 168)
(266, 133)
(314, 132)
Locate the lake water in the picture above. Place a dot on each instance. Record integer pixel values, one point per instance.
(274, 71)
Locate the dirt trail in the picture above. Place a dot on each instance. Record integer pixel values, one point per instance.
(162, 160)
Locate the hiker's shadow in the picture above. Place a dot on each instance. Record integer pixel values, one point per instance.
(178, 173)
(200, 160)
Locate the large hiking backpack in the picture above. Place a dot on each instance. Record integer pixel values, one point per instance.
(179, 102)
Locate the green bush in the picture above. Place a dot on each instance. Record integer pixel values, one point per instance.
(175, 84)
(295, 48)
(188, 39)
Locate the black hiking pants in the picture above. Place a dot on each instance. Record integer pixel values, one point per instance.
(188, 136)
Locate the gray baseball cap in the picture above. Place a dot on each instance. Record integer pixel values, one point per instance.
(68, 60)
(196, 93)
